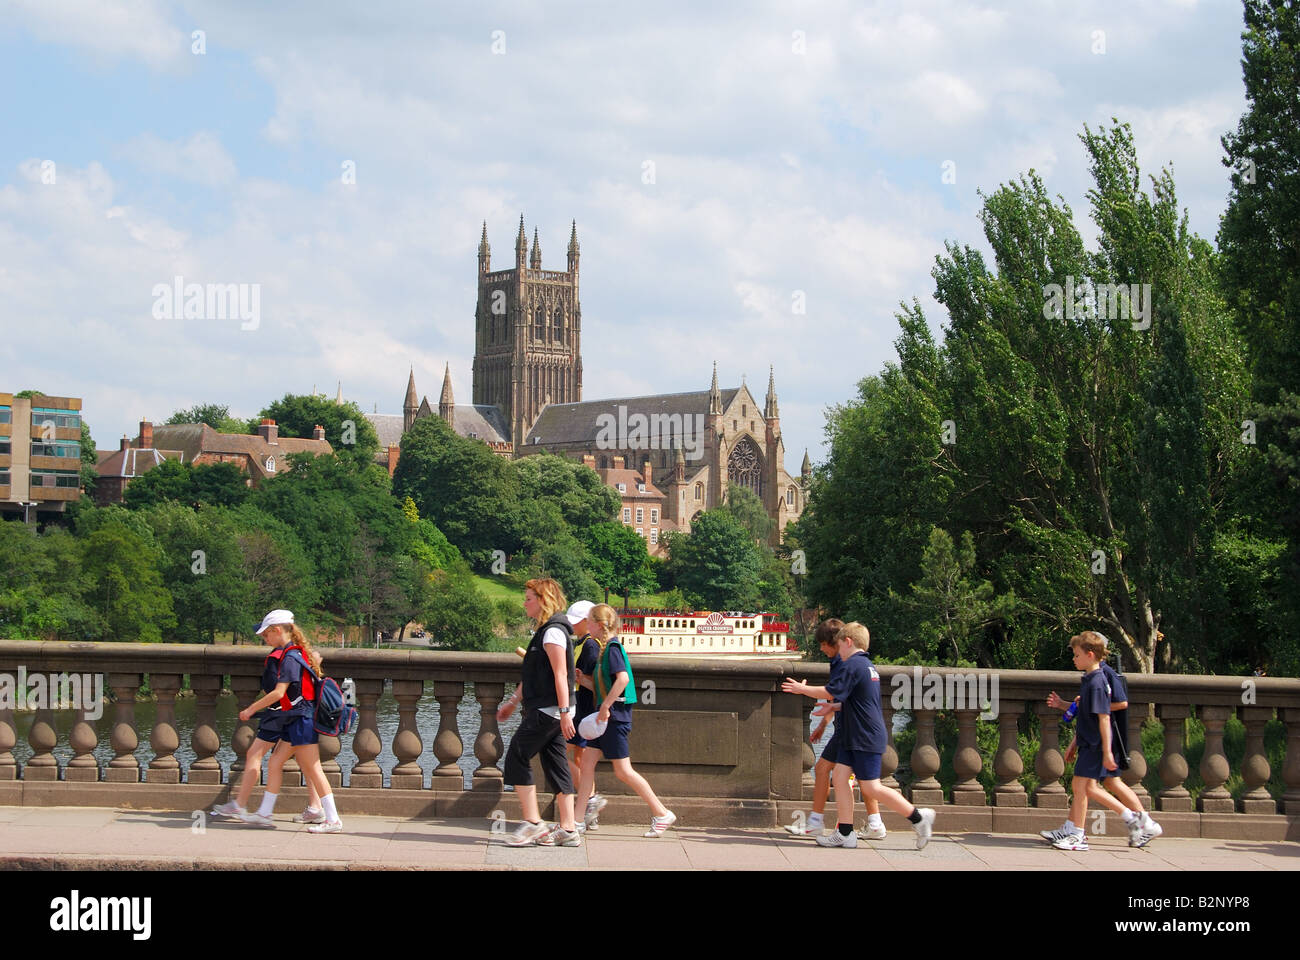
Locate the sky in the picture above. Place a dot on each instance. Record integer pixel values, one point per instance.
(754, 183)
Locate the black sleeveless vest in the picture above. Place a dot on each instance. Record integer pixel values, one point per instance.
(538, 678)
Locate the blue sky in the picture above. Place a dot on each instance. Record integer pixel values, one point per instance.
(796, 147)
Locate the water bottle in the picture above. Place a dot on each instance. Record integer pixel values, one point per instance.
(1070, 711)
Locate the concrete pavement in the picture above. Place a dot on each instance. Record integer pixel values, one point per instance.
(100, 838)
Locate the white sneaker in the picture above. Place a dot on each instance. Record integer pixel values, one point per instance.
(227, 809)
(560, 837)
(1134, 828)
(528, 834)
(326, 826)
(1074, 841)
(310, 816)
(1051, 836)
(924, 828)
(1150, 830)
(591, 817)
(256, 819)
(837, 839)
(873, 833)
(659, 824)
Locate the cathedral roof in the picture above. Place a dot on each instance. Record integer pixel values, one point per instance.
(389, 428)
(482, 420)
(579, 422)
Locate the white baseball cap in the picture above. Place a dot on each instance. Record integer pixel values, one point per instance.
(590, 729)
(578, 612)
(273, 618)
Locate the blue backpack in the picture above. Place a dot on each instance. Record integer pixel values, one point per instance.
(333, 716)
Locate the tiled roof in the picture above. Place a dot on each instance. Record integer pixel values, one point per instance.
(389, 428)
(194, 439)
(483, 420)
(630, 478)
(133, 461)
(577, 422)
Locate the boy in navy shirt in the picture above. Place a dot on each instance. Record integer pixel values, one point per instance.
(1141, 828)
(863, 738)
(815, 823)
(1093, 736)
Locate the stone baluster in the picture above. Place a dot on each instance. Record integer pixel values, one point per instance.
(1255, 769)
(1008, 765)
(43, 765)
(124, 767)
(1291, 766)
(889, 761)
(205, 740)
(291, 775)
(407, 745)
(447, 745)
(8, 739)
(1214, 769)
(366, 744)
(247, 691)
(926, 790)
(330, 748)
(83, 767)
(488, 747)
(1173, 765)
(1049, 764)
(164, 767)
(1137, 760)
(967, 763)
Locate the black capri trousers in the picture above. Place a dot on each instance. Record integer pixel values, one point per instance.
(538, 735)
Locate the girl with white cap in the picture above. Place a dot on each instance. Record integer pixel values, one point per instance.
(290, 678)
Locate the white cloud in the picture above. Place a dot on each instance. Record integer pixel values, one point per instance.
(199, 158)
(106, 29)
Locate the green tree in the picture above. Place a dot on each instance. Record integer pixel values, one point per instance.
(89, 475)
(127, 591)
(215, 415)
(275, 566)
(717, 563)
(581, 497)
(748, 509)
(466, 490)
(617, 559)
(42, 585)
(346, 427)
(456, 614)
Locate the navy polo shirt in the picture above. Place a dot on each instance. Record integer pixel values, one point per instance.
(289, 671)
(1094, 703)
(588, 657)
(862, 721)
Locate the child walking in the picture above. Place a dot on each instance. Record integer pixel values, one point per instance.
(616, 694)
(857, 688)
(289, 678)
(815, 822)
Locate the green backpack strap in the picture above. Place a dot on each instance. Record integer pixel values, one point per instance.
(605, 677)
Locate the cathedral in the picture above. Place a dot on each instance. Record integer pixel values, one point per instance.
(669, 456)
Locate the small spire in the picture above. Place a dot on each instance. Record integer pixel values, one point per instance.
(573, 239)
(411, 402)
(770, 411)
(521, 241)
(536, 262)
(484, 251)
(339, 398)
(446, 399)
(806, 469)
(715, 395)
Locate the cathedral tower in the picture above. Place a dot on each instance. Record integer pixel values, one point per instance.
(528, 326)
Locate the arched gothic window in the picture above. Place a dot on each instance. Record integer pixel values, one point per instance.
(745, 467)
(559, 324)
(539, 324)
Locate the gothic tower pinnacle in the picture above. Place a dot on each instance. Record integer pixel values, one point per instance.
(447, 403)
(484, 252)
(535, 262)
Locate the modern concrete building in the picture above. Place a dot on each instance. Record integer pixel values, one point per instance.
(40, 454)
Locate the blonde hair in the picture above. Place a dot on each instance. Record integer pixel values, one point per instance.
(856, 632)
(1090, 641)
(606, 617)
(550, 596)
(295, 635)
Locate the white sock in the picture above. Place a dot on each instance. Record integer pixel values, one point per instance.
(268, 804)
(815, 817)
(331, 811)
(873, 820)
(1146, 819)
(1071, 828)
(1131, 815)
(311, 809)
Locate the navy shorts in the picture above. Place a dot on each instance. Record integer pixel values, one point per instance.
(613, 742)
(1088, 764)
(866, 766)
(298, 730)
(831, 752)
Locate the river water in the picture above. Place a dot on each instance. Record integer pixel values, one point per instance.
(227, 719)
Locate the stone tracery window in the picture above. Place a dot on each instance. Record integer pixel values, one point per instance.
(744, 466)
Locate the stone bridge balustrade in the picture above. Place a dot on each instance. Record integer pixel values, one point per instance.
(716, 737)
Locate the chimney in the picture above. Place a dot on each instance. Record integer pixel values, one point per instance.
(268, 431)
(619, 463)
(126, 444)
(146, 435)
(318, 432)
(645, 471)
(394, 454)
(589, 460)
